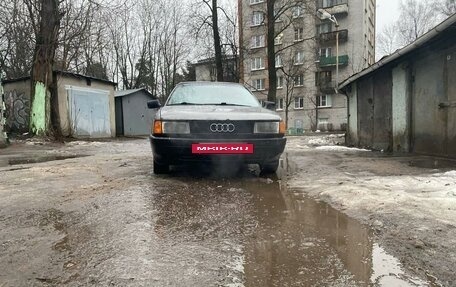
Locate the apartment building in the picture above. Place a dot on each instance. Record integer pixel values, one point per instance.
(305, 53)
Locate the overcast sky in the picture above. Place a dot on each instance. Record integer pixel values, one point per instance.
(387, 11)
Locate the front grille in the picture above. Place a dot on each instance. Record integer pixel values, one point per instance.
(202, 129)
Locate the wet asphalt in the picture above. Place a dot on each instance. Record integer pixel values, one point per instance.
(214, 225)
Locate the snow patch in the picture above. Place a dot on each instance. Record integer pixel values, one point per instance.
(339, 148)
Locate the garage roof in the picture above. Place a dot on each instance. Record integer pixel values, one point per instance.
(123, 93)
(431, 34)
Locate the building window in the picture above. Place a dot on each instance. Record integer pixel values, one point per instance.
(324, 28)
(278, 61)
(279, 82)
(297, 12)
(256, 1)
(257, 63)
(330, 3)
(258, 84)
(324, 101)
(325, 52)
(280, 104)
(257, 18)
(278, 39)
(298, 34)
(323, 78)
(299, 58)
(298, 81)
(323, 120)
(299, 103)
(257, 41)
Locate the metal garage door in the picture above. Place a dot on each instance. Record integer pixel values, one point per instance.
(89, 112)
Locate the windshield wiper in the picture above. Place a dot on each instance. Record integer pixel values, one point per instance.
(229, 104)
(182, 103)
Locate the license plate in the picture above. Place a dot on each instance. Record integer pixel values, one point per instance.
(222, 148)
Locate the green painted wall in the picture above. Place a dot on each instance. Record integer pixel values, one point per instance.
(38, 110)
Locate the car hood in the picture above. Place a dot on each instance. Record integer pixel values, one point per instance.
(221, 113)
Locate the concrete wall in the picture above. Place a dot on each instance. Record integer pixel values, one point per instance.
(137, 118)
(373, 126)
(365, 108)
(64, 82)
(352, 131)
(383, 139)
(409, 105)
(429, 120)
(17, 102)
(401, 108)
(337, 113)
(450, 70)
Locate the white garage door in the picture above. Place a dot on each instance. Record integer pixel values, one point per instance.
(89, 112)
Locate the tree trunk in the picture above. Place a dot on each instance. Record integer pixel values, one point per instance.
(272, 75)
(217, 46)
(42, 81)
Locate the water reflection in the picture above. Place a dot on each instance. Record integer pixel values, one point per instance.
(300, 242)
(285, 238)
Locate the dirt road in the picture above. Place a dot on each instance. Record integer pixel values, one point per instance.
(93, 214)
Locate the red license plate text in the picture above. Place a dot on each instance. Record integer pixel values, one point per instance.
(222, 148)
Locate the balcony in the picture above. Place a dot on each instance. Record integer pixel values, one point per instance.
(327, 87)
(331, 61)
(331, 36)
(334, 6)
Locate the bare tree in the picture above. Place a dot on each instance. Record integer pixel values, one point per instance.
(387, 41)
(446, 7)
(17, 39)
(292, 79)
(416, 18)
(285, 12)
(45, 17)
(216, 33)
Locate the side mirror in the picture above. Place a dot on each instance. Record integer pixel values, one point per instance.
(269, 105)
(154, 104)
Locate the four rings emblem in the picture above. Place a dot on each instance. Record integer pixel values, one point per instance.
(222, 128)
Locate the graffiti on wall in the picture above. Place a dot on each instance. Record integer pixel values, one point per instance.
(17, 111)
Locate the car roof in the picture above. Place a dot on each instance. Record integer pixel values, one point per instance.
(207, 83)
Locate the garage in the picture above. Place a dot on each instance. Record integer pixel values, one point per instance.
(89, 112)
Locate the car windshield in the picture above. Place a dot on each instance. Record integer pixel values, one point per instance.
(212, 94)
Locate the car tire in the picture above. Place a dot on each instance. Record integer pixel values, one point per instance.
(160, 168)
(269, 167)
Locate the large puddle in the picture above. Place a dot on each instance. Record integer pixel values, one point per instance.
(302, 242)
(37, 159)
(287, 239)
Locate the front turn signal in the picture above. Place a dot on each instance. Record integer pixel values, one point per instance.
(282, 128)
(157, 128)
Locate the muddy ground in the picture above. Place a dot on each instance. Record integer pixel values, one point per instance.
(90, 213)
(408, 200)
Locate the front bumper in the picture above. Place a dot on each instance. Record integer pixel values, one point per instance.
(178, 150)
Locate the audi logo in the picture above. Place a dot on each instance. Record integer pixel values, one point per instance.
(222, 128)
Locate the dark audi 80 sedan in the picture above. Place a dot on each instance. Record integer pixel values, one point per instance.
(210, 121)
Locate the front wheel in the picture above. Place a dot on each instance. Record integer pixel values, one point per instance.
(269, 167)
(160, 168)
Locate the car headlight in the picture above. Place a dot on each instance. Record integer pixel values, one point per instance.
(165, 127)
(269, 127)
